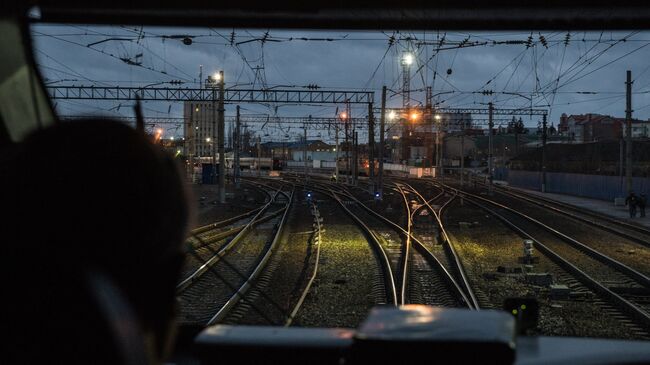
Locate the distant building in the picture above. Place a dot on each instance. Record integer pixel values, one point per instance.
(584, 128)
(414, 141)
(640, 129)
(456, 122)
(198, 127)
(316, 150)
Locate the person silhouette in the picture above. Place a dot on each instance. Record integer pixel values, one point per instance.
(641, 204)
(92, 245)
(632, 201)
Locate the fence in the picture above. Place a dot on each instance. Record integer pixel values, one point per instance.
(602, 187)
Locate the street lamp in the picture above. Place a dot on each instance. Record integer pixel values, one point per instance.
(438, 119)
(392, 115)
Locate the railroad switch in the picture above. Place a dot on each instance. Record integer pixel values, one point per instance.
(539, 279)
(559, 292)
(509, 270)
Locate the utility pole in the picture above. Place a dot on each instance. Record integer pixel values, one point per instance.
(371, 149)
(442, 150)
(348, 173)
(304, 150)
(437, 149)
(336, 165)
(222, 151)
(628, 132)
(213, 144)
(544, 153)
(382, 123)
(462, 158)
(310, 165)
(190, 142)
(237, 147)
(491, 126)
(355, 178)
(430, 118)
(621, 154)
(259, 156)
(407, 59)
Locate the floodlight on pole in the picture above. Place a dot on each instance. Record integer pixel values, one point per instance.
(392, 115)
(407, 59)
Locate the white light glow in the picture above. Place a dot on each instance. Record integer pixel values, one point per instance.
(407, 59)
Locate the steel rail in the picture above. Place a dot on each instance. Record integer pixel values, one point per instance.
(389, 277)
(545, 204)
(630, 272)
(452, 283)
(249, 283)
(585, 278)
(231, 220)
(458, 265)
(183, 285)
(317, 242)
(223, 223)
(224, 234)
(407, 248)
(251, 181)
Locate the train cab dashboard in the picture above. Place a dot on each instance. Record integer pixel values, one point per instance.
(409, 334)
(389, 335)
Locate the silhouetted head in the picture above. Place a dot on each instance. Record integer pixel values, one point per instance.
(92, 196)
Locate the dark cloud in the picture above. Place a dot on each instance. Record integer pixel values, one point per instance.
(591, 62)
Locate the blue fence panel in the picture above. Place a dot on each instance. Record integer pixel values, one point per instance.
(501, 173)
(524, 179)
(590, 186)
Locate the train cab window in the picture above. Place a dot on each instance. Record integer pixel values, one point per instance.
(372, 182)
(24, 106)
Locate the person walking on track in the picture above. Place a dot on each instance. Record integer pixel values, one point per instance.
(641, 203)
(631, 201)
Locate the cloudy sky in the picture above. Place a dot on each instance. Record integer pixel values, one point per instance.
(563, 72)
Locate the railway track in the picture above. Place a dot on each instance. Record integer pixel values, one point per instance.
(440, 285)
(452, 260)
(618, 284)
(386, 244)
(627, 230)
(211, 292)
(204, 240)
(599, 239)
(353, 278)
